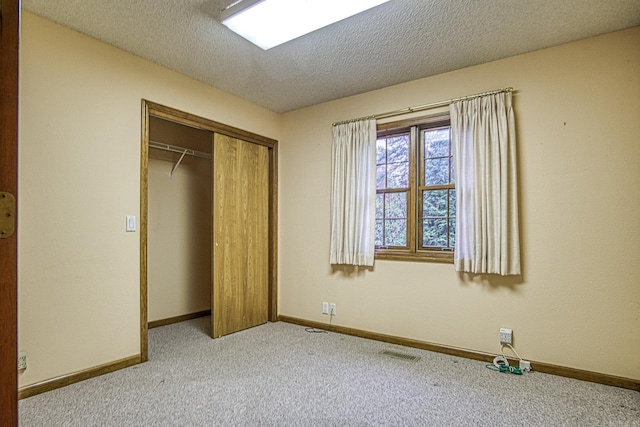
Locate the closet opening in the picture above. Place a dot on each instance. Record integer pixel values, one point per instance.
(179, 222)
(208, 223)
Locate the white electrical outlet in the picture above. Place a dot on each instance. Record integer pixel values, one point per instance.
(325, 308)
(525, 365)
(506, 336)
(22, 360)
(332, 309)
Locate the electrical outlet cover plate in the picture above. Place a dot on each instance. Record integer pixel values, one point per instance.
(22, 360)
(325, 308)
(506, 336)
(332, 309)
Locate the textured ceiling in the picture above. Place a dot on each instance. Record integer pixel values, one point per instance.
(398, 41)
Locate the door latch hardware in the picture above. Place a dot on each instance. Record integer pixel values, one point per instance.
(7, 215)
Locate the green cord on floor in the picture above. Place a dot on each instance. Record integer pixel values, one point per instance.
(505, 368)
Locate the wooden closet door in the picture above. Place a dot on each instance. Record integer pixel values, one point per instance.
(240, 235)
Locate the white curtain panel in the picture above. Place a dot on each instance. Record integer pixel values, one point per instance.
(353, 193)
(484, 146)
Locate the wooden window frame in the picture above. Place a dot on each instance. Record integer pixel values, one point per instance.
(411, 202)
(413, 251)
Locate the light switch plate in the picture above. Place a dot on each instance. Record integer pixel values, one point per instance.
(131, 223)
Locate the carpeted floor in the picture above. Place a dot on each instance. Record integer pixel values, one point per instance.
(280, 375)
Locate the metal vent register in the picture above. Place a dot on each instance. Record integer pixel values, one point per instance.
(398, 355)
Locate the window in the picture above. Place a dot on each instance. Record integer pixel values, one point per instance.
(415, 191)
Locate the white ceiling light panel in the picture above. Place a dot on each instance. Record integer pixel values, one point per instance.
(268, 23)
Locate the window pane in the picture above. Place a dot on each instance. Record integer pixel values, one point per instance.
(395, 206)
(379, 206)
(398, 175)
(452, 202)
(392, 158)
(395, 232)
(381, 151)
(434, 203)
(453, 171)
(381, 177)
(436, 171)
(398, 149)
(452, 233)
(434, 233)
(379, 239)
(436, 143)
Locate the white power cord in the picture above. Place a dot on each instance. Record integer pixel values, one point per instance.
(523, 364)
(500, 361)
(512, 349)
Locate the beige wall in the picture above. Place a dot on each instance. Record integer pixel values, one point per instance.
(578, 301)
(79, 174)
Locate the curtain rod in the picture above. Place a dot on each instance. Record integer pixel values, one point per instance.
(424, 107)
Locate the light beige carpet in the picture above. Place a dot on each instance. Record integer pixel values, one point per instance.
(280, 375)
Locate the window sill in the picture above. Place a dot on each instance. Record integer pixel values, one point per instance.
(443, 257)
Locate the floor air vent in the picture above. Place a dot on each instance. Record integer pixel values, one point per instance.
(398, 355)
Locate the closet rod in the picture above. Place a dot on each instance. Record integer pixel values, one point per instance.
(181, 150)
